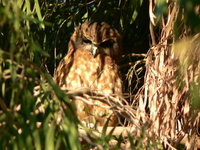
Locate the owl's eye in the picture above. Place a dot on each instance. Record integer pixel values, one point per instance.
(108, 43)
(85, 40)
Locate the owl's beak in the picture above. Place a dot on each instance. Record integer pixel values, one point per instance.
(95, 50)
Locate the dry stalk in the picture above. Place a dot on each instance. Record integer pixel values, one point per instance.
(116, 103)
(165, 98)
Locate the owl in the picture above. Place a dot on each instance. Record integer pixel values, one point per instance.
(94, 51)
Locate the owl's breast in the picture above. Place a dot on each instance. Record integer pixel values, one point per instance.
(99, 73)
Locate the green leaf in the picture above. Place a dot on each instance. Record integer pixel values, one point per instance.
(49, 140)
(39, 12)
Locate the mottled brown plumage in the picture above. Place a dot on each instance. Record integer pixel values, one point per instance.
(93, 53)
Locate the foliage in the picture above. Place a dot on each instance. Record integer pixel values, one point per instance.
(28, 119)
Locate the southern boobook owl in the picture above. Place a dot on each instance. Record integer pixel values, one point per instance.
(93, 53)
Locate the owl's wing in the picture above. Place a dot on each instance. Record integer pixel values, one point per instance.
(64, 66)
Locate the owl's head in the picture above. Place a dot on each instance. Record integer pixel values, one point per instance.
(98, 38)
